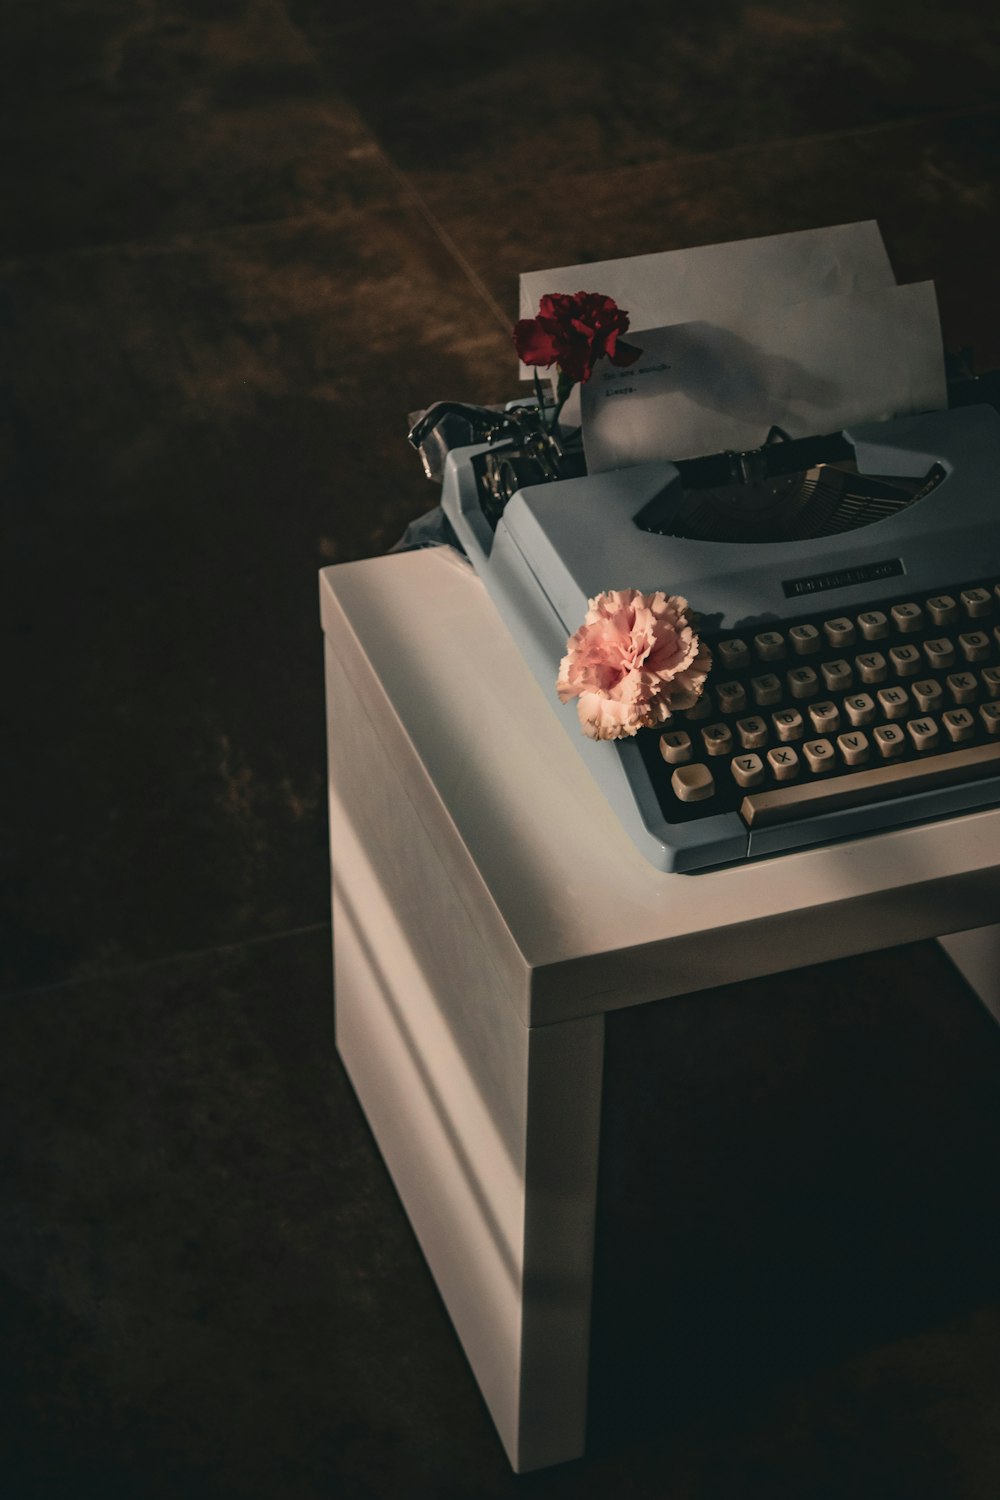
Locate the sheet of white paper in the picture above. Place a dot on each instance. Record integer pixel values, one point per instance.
(701, 387)
(719, 282)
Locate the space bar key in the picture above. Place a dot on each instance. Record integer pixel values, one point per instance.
(807, 798)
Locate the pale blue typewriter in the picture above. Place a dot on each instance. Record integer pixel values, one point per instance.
(849, 589)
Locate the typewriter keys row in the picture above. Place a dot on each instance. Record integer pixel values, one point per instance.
(904, 618)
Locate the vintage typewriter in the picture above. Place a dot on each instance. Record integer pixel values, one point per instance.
(847, 585)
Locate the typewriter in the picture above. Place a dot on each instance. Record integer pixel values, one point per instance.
(848, 587)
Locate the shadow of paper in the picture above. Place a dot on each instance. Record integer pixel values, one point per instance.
(720, 371)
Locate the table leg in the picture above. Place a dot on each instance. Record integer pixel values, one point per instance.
(490, 1131)
(976, 956)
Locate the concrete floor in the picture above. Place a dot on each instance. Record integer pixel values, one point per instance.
(243, 238)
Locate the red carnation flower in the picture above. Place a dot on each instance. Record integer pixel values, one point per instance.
(574, 331)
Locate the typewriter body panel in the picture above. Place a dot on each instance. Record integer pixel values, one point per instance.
(558, 544)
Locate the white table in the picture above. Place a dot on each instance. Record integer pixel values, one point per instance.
(489, 912)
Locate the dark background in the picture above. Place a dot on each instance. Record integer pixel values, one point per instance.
(241, 239)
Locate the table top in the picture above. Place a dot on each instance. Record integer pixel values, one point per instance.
(596, 925)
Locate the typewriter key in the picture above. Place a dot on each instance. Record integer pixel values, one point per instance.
(675, 747)
(837, 675)
(894, 702)
(989, 714)
(803, 682)
(819, 755)
(940, 654)
(770, 645)
(839, 632)
(825, 717)
(804, 639)
(872, 667)
(942, 609)
(907, 617)
(962, 687)
(766, 689)
(853, 747)
(784, 763)
(860, 709)
(889, 739)
(959, 724)
(752, 733)
(991, 681)
(702, 709)
(975, 645)
(928, 695)
(874, 624)
(905, 660)
(748, 770)
(923, 733)
(733, 654)
(976, 603)
(692, 783)
(718, 739)
(788, 724)
(731, 697)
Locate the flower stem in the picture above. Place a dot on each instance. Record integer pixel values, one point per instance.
(563, 388)
(538, 395)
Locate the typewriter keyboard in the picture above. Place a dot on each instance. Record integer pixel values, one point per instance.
(838, 710)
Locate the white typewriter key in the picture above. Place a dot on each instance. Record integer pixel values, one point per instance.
(872, 666)
(996, 590)
(803, 682)
(805, 639)
(976, 603)
(819, 756)
(766, 689)
(942, 609)
(940, 654)
(788, 724)
(905, 660)
(907, 617)
(733, 654)
(923, 733)
(894, 702)
(839, 632)
(769, 645)
(991, 681)
(731, 697)
(784, 763)
(996, 634)
(692, 783)
(675, 747)
(825, 717)
(718, 739)
(702, 709)
(959, 724)
(975, 645)
(928, 694)
(860, 709)
(752, 733)
(874, 624)
(748, 770)
(853, 747)
(962, 687)
(989, 713)
(837, 675)
(889, 739)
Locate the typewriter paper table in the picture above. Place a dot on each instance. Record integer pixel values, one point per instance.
(489, 912)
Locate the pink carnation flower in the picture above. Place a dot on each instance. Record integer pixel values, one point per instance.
(634, 659)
